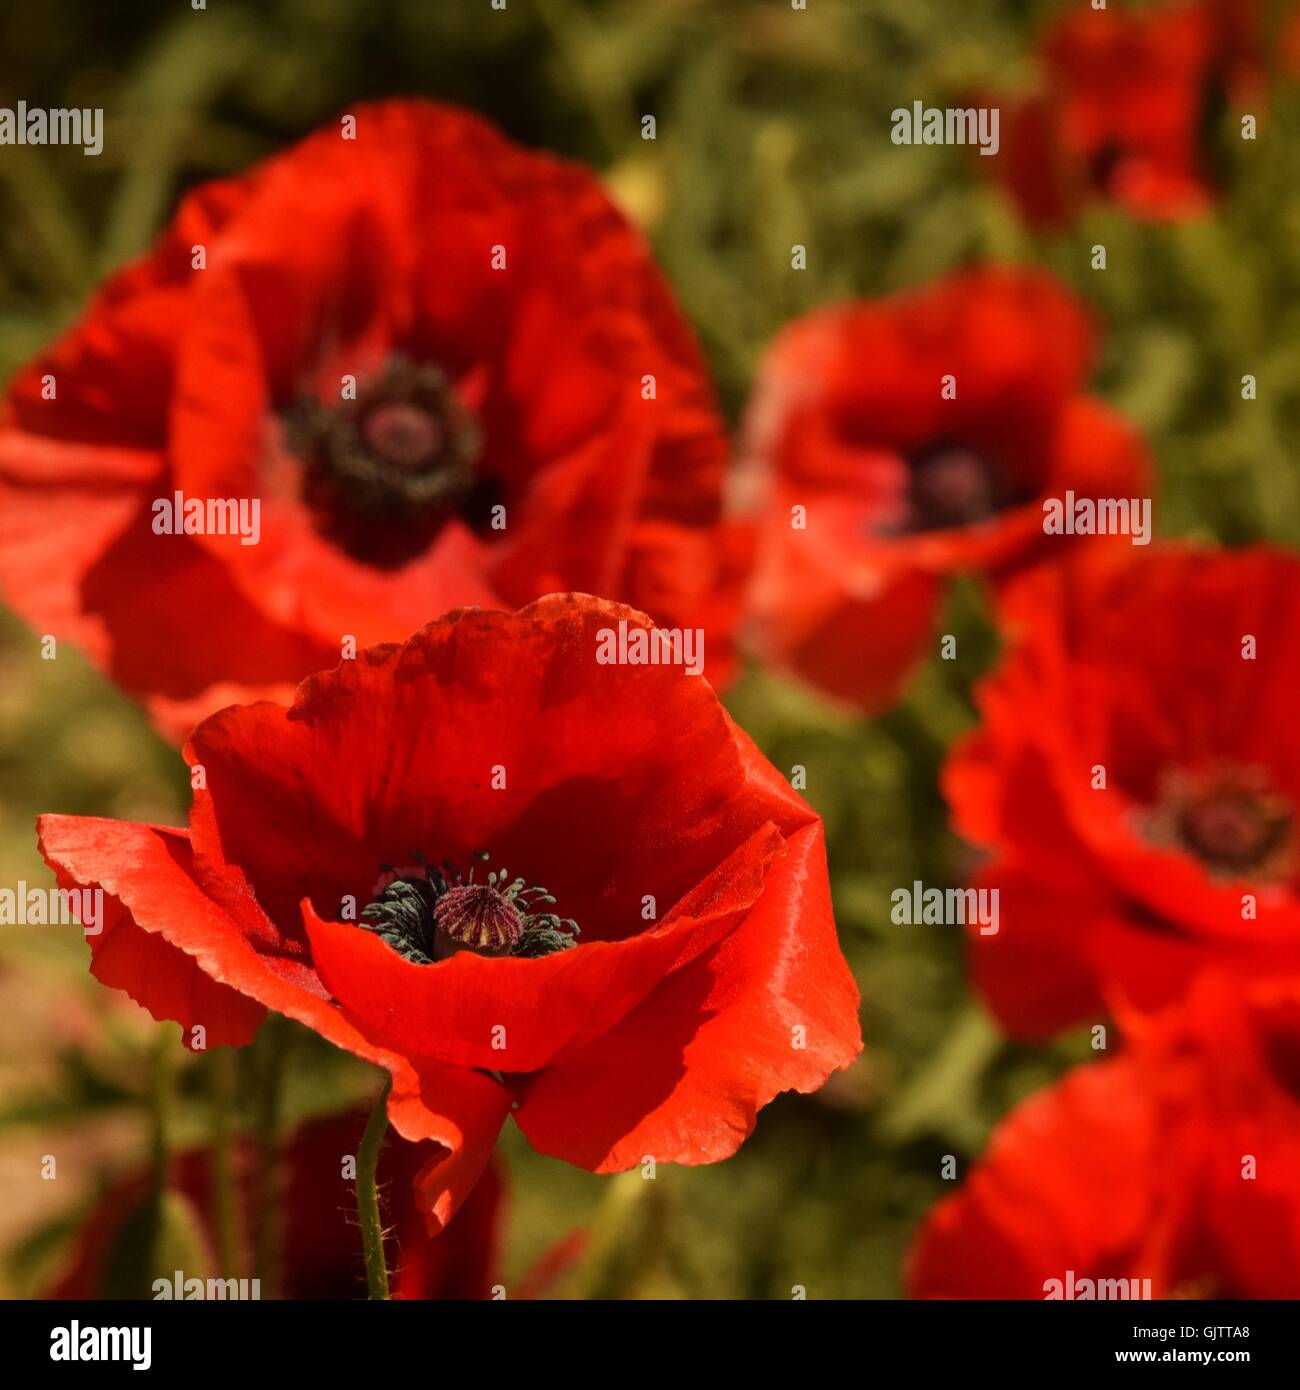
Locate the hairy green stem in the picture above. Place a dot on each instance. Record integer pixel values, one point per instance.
(372, 1229)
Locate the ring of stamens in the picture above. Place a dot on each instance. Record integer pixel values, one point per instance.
(427, 913)
(949, 485)
(1230, 818)
(381, 473)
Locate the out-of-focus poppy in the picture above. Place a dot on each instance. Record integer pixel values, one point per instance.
(1172, 1171)
(403, 367)
(1136, 779)
(892, 444)
(1129, 110)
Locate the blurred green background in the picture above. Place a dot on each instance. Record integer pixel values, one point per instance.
(772, 129)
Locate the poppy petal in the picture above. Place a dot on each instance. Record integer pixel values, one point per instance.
(683, 1076)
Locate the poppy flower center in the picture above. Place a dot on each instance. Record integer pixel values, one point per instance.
(1232, 821)
(951, 485)
(382, 473)
(1105, 163)
(427, 914)
(477, 916)
(404, 435)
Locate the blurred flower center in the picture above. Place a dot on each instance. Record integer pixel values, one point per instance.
(383, 473)
(1231, 820)
(951, 485)
(407, 436)
(1104, 163)
(427, 914)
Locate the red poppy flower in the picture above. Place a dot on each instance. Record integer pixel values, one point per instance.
(1176, 1163)
(445, 368)
(320, 1255)
(647, 957)
(894, 443)
(1170, 679)
(1128, 110)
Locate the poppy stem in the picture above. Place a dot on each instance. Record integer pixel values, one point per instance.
(164, 1085)
(372, 1229)
(154, 1228)
(274, 1041)
(223, 1177)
